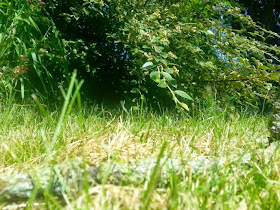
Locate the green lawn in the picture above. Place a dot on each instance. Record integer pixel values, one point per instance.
(100, 136)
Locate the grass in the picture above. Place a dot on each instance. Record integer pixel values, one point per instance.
(100, 135)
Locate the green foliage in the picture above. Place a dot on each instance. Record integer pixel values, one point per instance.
(267, 13)
(31, 49)
(148, 48)
(200, 49)
(86, 28)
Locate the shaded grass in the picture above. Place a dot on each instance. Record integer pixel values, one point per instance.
(100, 136)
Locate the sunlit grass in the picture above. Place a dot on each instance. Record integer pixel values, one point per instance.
(100, 135)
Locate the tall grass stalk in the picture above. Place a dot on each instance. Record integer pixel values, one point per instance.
(152, 182)
(66, 109)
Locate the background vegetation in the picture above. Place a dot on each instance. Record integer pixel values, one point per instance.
(132, 49)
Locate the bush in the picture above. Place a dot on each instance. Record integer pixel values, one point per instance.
(150, 48)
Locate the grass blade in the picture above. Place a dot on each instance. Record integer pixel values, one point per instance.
(63, 112)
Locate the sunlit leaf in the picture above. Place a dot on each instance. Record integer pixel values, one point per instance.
(183, 94)
(147, 64)
(264, 67)
(185, 106)
(34, 56)
(209, 32)
(167, 75)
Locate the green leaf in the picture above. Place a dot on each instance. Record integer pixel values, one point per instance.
(173, 82)
(34, 56)
(163, 61)
(275, 76)
(32, 22)
(185, 106)
(158, 49)
(169, 70)
(272, 67)
(164, 55)
(209, 32)
(134, 82)
(22, 88)
(170, 79)
(162, 84)
(154, 75)
(183, 94)
(167, 75)
(265, 67)
(254, 59)
(147, 64)
(253, 34)
(135, 90)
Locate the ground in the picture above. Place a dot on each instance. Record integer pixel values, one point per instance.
(248, 177)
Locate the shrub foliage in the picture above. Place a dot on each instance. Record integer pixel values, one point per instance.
(131, 48)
